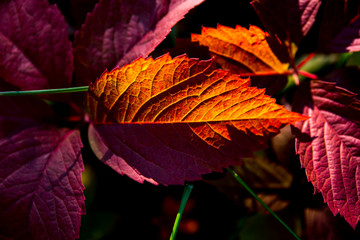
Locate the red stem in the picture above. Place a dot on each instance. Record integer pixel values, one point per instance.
(308, 75)
(302, 63)
(288, 72)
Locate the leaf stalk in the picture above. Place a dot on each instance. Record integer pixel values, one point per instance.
(45, 91)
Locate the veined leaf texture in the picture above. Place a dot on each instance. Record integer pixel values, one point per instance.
(329, 145)
(247, 52)
(183, 102)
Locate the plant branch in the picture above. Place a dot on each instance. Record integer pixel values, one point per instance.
(185, 197)
(45, 91)
(261, 202)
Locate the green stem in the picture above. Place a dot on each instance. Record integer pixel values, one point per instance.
(45, 91)
(262, 203)
(185, 197)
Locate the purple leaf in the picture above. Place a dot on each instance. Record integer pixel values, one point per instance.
(35, 52)
(339, 30)
(329, 146)
(118, 32)
(167, 153)
(348, 40)
(40, 176)
(109, 158)
(292, 18)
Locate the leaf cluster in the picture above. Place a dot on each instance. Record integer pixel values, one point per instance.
(171, 119)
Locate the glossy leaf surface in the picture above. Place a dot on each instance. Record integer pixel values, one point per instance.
(174, 119)
(329, 143)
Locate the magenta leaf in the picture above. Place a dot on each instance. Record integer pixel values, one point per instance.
(329, 146)
(292, 18)
(118, 32)
(40, 176)
(35, 52)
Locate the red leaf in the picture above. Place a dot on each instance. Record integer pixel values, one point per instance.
(35, 52)
(174, 119)
(329, 143)
(40, 176)
(291, 18)
(118, 32)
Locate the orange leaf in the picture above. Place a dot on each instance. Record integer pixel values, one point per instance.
(190, 99)
(248, 53)
(248, 48)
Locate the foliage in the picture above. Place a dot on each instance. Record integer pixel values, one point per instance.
(170, 119)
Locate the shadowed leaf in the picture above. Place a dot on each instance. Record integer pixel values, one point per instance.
(339, 30)
(329, 143)
(174, 119)
(35, 52)
(348, 40)
(40, 176)
(287, 19)
(118, 32)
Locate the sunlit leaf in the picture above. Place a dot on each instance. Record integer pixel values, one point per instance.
(174, 119)
(246, 52)
(248, 48)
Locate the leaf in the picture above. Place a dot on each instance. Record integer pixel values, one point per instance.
(244, 52)
(263, 176)
(339, 26)
(110, 159)
(287, 19)
(174, 119)
(35, 52)
(329, 143)
(246, 47)
(40, 176)
(348, 40)
(118, 32)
